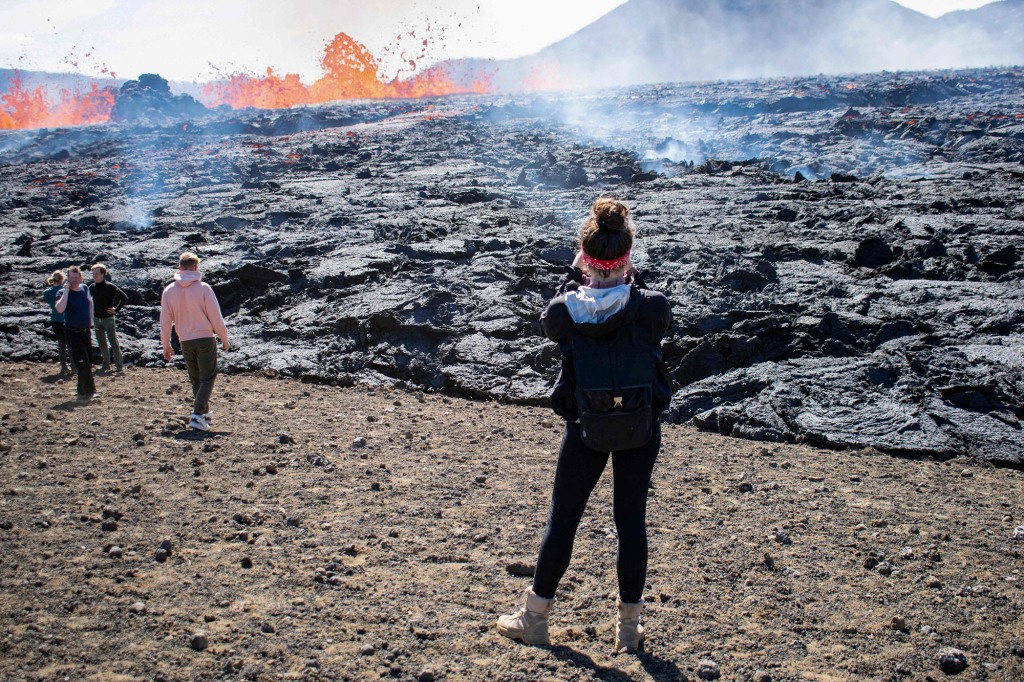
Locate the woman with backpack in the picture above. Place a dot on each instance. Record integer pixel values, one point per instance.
(611, 391)
(54, 287)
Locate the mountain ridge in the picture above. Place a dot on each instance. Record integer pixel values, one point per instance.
(650, 41)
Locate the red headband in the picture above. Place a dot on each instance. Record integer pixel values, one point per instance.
(606, 265)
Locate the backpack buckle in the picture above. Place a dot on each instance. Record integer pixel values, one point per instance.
(617, 400)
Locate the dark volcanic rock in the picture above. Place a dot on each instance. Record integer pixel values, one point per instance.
(149, 99)
(872, 253)
(876, 303)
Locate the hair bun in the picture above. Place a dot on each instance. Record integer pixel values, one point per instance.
(610, 214)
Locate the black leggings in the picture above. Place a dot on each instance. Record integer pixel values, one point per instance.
(576, 474)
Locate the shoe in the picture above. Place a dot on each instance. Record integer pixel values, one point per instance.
(197, 422)
(629, 634)
(529, 624)
(208, 417)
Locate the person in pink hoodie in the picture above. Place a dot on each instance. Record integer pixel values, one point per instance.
(190, 307)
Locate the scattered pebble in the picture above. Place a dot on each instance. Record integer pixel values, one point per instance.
(359, 442)
(366, 650)
(1018, 533)
(521, 568)
(246, 562)
(109, 525)
(708, 669)
(783, 538)
(138, 607)
(884, 568)
(898, 623)
(426, 675)
(286, 439)
(115, 552)
(199, 641)
(267, 628)
(952, 661)
(933, 582)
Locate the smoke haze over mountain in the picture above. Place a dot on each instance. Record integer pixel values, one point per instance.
(650, 41)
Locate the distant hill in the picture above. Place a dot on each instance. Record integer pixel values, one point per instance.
(649, 41)
(75, 81)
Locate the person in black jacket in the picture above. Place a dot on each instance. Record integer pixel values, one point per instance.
(108, 299)
(601, 294)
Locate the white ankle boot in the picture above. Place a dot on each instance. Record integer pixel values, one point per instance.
(529, 624)
(628, 631)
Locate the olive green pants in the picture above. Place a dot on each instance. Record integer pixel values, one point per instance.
(201, 360)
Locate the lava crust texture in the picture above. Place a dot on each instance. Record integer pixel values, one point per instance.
(842, 254)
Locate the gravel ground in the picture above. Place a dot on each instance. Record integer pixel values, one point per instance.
(281, 546)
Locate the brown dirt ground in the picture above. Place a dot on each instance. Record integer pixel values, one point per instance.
(403, 545)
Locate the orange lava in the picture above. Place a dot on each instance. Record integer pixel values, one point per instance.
(350, 72)
(21, 108)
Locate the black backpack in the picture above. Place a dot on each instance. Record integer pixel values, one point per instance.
(615, 376)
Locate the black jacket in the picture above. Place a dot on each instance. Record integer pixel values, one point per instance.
(655, 315)
(106, 295)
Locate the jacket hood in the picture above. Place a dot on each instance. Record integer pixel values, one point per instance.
(187, 278)
(596, 312)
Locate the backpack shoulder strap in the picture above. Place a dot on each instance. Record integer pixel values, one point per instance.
(636, 299)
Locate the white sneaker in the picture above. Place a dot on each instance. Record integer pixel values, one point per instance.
(199, 423)
(208, 417)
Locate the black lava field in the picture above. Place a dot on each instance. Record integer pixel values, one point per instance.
(843, 254)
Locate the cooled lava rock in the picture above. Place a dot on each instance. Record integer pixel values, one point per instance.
(878, 303)
(149, 99)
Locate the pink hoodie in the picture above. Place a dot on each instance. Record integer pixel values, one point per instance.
(190, 306)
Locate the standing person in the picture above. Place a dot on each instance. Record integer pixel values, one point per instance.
(107, 300)
(55, 283)
(190, 307)
(76, 305)
(611, 391)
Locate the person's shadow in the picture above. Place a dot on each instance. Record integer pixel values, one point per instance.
(72, 405)
(657, 667)
(195, 435)
(54, 378)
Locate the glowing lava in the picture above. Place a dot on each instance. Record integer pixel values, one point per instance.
(350, 72)
(24, 108)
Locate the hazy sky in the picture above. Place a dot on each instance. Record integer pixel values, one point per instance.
(197, 39)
